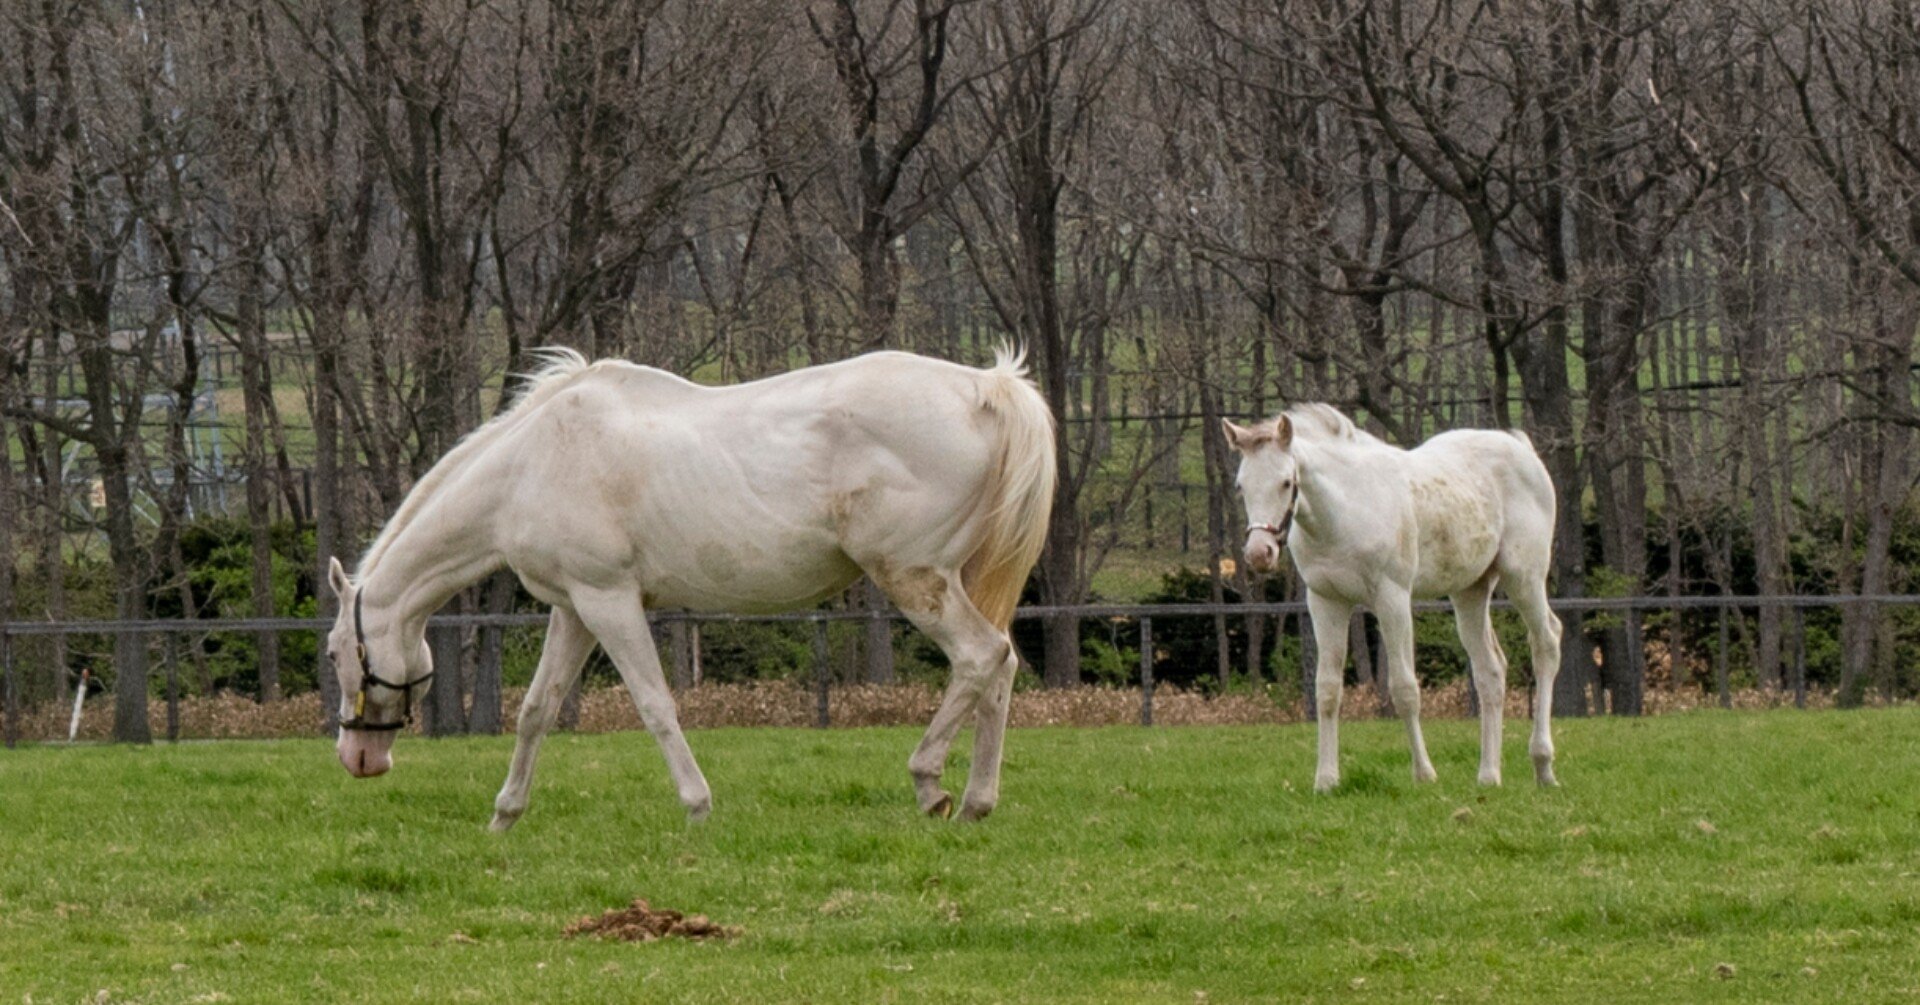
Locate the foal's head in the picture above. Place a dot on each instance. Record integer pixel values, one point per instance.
(1269, 483)
(382, 678)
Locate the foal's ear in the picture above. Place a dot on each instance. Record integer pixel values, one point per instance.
(1283, 432)
(337, 575)
(1239, 437)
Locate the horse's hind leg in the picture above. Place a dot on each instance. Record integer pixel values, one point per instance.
(621, 624)
(983, 666)
(989, 733)
(568, 645)
(1489, 670)
(1529, 596)
(1394, 610)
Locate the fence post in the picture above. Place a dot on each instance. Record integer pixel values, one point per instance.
(822, 717)
(1636, 661)
(1720, 662)
(1146, 671)
(173, 690)
(682, 636)
(1799, 657)
(12, 699)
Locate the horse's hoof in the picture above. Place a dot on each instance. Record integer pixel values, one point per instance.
(1429, 775)
(1490, 778)
(699, 811)
(970, 812)
(502, 822)
(1326, 783)
(1547, 780)
(942, 807)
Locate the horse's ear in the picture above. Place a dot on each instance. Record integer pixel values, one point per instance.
(1238, 437)
(1283, 432)
(337, 575)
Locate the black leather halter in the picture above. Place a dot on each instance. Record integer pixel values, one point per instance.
(1279, 530)
(368, 678)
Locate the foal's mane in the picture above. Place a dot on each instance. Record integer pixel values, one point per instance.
(1316, 417)
(558, 364)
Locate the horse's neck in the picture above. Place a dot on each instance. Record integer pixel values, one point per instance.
(446, 545)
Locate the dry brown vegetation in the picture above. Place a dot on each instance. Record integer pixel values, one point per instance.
(779, 704)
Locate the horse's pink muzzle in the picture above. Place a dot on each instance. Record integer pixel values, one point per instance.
(366, 753)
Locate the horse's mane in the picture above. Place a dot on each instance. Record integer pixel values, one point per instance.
(558, 364)
(1318, 417)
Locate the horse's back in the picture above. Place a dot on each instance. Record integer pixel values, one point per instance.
(756, 496)
(1482, 498)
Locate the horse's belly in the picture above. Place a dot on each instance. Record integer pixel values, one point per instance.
(1459, 535)
(741, 578)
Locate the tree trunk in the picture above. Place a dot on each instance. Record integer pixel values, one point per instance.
(483, 716)
(251, 340)
(879, 634)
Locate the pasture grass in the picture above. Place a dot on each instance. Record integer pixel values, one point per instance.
(1176, 865)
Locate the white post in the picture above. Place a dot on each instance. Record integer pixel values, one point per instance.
(79, 695)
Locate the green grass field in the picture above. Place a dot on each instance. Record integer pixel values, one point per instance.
(1175, 865)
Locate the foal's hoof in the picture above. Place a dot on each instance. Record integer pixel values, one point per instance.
(502, 822)
(699, 811)
(942, 807)
(1546, 779)
(970, 812)
(1426, 774)
(1326, 783)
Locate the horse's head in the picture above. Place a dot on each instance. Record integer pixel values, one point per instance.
(382, 677)
(1269, 482)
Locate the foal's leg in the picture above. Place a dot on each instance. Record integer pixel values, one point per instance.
(1529, 595)
(983, 665)
(1330, 620)
(568, 645)
(1393, 608)
(1489, 671)
(616, 617)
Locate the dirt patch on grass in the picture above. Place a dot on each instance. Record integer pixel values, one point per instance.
(640, 922)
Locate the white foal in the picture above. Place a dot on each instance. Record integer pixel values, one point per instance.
(1371, 524)
(612, 488)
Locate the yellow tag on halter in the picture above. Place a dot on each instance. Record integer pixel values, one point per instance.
(359, 704)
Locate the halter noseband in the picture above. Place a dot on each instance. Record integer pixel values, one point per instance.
(1279, 530)
(368, 678)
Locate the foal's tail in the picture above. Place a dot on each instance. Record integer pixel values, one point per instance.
(1019, 493)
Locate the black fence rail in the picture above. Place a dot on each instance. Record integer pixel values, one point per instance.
(1142, 615)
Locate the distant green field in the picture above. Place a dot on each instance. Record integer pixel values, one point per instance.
(1172, 865)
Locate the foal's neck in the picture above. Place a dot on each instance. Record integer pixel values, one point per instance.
(1327, 473)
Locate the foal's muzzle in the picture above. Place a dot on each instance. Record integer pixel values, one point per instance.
(1264, 541)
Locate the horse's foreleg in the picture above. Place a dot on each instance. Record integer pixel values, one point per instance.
(568, 645)
(1330, 621)
(1394, 610)
(621, 624)
(1543, 644)
(1489, 672)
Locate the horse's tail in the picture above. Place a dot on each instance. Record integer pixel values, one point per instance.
(1019, 493)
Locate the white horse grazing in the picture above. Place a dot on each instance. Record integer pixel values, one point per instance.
(612, 488)
(1377, 525)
